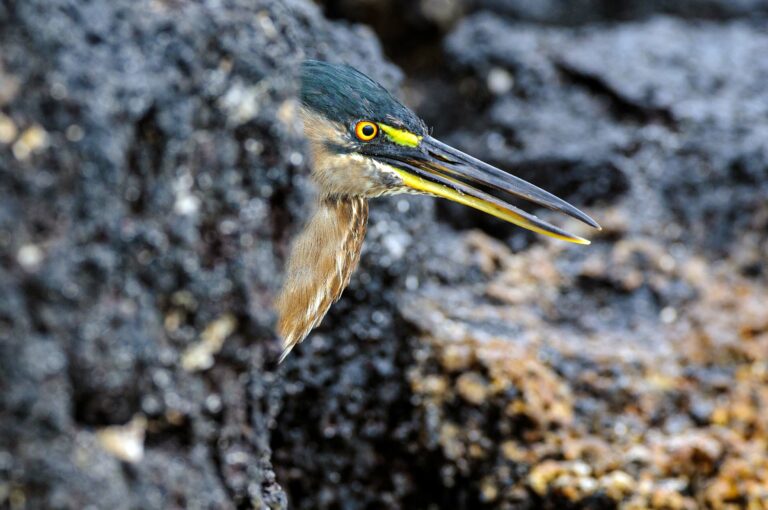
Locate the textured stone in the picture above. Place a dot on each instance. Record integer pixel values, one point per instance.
(152, 174)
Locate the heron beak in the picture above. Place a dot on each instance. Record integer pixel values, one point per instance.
(439, 169)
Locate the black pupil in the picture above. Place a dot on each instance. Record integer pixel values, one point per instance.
(368, 130)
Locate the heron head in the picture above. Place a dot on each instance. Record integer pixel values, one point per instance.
(365, 143)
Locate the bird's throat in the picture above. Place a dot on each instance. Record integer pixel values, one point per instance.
(322, 260)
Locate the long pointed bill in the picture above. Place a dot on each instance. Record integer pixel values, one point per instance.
(439, 169)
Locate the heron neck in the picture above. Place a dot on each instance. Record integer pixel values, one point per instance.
(322, 260)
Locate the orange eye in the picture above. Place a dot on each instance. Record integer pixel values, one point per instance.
(366, 131)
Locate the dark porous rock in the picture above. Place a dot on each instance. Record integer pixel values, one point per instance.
(152, 171)
(629, 373)
(576, 12)
(712, 109)
(657, 112)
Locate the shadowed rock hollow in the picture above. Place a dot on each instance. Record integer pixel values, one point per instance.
(152, 174)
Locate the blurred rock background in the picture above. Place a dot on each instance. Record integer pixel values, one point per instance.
(152, 174)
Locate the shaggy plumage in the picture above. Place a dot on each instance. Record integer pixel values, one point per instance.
(322, 259)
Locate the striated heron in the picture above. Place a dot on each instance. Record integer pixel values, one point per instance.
(364, 143)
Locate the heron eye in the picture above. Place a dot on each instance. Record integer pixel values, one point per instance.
(366, 131)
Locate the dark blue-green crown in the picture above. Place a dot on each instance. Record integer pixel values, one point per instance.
(343, 94)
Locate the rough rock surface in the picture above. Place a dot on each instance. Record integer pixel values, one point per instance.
(629, 373)
(565, 12)
(632, 372)
(152, 173)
